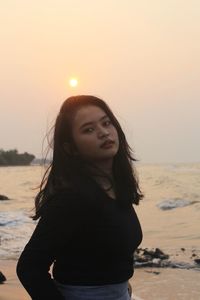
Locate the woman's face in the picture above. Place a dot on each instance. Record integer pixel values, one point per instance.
(95, 137)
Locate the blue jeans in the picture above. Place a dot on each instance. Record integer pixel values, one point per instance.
(117, 291)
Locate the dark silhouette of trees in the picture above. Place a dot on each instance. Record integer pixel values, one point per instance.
(13, 158)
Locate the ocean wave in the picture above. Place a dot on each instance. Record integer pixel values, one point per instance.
(16, 228)
(175, 203)
(13, 218)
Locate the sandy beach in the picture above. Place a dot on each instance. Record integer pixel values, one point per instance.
(174, 231)
(11, 289)
(169, 284)
(147, 284)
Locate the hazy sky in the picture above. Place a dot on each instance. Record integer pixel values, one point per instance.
(142, 57)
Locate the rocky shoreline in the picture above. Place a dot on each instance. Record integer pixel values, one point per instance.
(156, 258)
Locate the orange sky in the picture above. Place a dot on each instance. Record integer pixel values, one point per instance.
(142, 57)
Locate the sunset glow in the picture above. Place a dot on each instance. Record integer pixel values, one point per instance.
(73, 82)
(143, 60)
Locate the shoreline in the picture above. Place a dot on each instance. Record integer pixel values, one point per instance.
(147, 283)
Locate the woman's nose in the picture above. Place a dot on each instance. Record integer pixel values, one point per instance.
(103, 132)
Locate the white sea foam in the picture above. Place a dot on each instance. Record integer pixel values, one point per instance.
(15, 229)
(13, 218)
(174, 203)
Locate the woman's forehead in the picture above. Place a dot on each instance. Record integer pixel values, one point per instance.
(89, 113)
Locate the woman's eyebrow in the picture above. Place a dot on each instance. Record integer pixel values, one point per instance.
(92, 122)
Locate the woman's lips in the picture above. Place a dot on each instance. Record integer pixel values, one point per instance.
(107, 144)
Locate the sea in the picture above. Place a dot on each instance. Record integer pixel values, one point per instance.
(169, 213)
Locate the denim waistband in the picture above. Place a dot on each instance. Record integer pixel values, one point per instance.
(117, 291)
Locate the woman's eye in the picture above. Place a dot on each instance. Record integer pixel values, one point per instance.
(107, 123)
(88, 130)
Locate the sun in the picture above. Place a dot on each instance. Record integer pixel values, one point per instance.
(73, 82)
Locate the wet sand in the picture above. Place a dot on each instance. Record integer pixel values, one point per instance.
(11, 289)
(168, 284)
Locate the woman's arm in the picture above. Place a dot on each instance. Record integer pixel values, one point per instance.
(54, 228)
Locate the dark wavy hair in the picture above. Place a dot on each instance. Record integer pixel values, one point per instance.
(69, 171)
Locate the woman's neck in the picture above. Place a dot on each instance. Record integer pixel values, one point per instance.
(105, 167)
(103, 175)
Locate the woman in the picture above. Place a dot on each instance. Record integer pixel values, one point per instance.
(88, 229)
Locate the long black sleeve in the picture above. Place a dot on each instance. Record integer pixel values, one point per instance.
(45, 245)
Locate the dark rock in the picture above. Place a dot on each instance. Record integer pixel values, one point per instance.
(160, 254)
(150, 257)
(157, 253)
(156, 258)
(2, 277)
(2, 197)
(183, 249)
(197, 261)
(153, 272)
(156, 273)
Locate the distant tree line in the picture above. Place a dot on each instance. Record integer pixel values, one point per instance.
(13, 158)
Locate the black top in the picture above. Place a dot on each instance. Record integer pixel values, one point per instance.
(88, 242)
